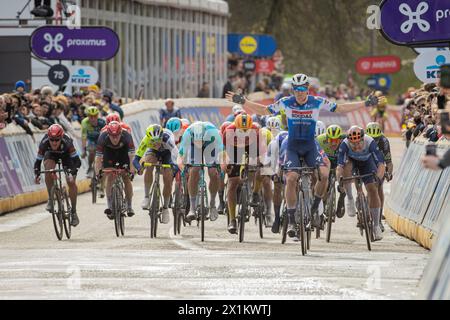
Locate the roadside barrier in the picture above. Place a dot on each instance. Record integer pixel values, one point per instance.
(419, 202)
(18, 151)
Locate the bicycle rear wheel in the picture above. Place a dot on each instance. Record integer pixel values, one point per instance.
(202, 212)
(301, 226)
(116, 209)
(284, 224)
(94, 189)
(57, 211)
(154, 212)
(68, 217)
(122, 211)
(176, 211)
(243, 208)
(261, 219)
(330, 209)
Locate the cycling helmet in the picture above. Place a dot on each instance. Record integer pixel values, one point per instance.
(273, 123)
(300, 82)
(92, 111)
(285, 86)
(243, 121)
(154, 132)
(114, 128)
(355, 134)
(224, 126)
(55, 131)
(237, 109)
(265, 132)
(373, 130)
(334, 132)
(112, 117)
(185, 123)
(197, 131)
(320, 128)
(174, 124)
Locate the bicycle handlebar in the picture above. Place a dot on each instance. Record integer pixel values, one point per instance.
(373, 174)
(156, 165)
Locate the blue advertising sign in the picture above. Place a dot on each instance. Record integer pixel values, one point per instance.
(379, 82)
(86, 43)
(252, 45)
(416, 22)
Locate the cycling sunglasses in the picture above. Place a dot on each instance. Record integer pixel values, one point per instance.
(55, 140)
(300, 88)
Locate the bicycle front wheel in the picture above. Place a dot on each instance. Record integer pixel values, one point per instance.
(261, 219)
(366, 222)
(116, 209)
(284, 224)
(67, 217)
(243, 207)
(154, 212)
(94, 189)
(330, 209)
(57, 211)
(202, 213)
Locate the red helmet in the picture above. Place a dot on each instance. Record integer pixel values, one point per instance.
(112, 117)
(114, 128)
(55, 131)
(224, 126)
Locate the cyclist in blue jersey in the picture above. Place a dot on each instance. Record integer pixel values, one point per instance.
(201, 144)
(360, 151)
(302, 113)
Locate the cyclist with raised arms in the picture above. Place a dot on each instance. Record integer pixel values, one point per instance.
(360, 151)
(91, 126)
(115, 146)
(157, 146)
(302, 112)
(374, 131)
(201, 144)
(56, 145)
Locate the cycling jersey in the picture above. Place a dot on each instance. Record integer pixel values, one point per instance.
(212, 145)
(89, 132)
(301, 119)
(275, 156)
(385, 148)
(261, 120)
(369, 151)
(66, 152)
(167, 143)
(327, 147)
(115, 154)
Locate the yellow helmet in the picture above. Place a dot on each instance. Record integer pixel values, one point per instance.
(92, 111)
(373, 130)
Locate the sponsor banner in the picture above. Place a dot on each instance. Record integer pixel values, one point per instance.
(376, 65)
(416, 22)
(83, 76)
(264, 66)
(9, 181)
(86, 43)
(252, 45)
(428, 64)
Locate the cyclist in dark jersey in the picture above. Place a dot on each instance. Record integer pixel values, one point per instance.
(54, 146)
(373, 130)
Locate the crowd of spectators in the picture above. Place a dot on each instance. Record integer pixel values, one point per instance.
(420, 116)
(43, 107)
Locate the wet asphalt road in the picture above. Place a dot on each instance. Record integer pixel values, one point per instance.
(95, 264)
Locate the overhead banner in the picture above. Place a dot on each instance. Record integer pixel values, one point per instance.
(86, 43)
(252, 45)
(377, 65)
(416, 22)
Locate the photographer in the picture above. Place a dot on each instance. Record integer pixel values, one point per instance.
(431, 161)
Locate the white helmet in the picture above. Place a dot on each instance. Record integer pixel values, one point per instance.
(237, 108)
(300, 80)
(320, 128)
(273, 123)
(285, 86)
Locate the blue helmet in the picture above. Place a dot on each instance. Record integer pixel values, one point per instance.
(174, 124)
